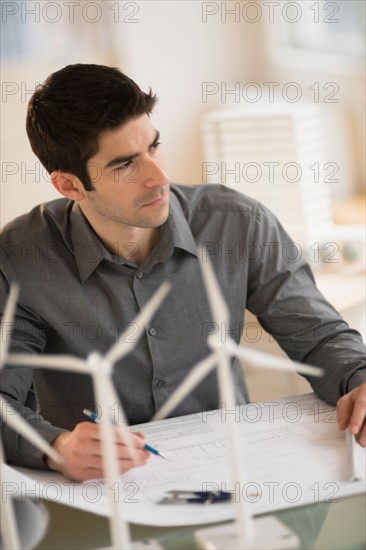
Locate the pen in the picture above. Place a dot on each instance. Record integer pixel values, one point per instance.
(93, 416)
(178, 496)
(196, 497)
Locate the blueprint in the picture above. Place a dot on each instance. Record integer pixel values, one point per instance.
(292, 450)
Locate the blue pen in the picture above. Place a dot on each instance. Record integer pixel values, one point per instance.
(93, 416)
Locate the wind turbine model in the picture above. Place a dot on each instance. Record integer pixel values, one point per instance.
(11, 417)
(101, 369)
(246, 532)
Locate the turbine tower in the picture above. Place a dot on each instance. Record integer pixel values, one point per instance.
(246, 533)
(101, 369)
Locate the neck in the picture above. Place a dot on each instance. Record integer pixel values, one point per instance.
(128, 242)
(134, 246)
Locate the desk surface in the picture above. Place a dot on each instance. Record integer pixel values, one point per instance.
(337, 525)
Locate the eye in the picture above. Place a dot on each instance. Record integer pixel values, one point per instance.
(125, 165)
(155, 145)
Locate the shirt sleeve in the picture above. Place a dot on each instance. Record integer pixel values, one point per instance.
(27, 336)
(282, 293)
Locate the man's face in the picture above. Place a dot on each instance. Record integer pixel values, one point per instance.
(130, 184)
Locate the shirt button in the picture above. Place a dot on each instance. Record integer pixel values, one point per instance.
(153, 331)
(160, 383)
(139, 275)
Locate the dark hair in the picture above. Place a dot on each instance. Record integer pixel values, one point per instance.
(69, 111)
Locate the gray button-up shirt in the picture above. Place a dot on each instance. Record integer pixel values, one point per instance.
(76, 297)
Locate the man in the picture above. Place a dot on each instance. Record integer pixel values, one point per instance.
(87, 263)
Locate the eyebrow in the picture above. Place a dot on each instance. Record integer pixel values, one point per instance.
(122, 159)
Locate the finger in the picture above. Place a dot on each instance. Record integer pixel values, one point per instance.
(93, 463)
(90, 434)
(97, 462)
(124, 453)
(138, 439)
(344, 411)
(93, 468)
(87, 430)
(134, 440)
(131, 449)
(139, 434)
(91, 452)
(358, 416)
(361, 438)
(83, 448)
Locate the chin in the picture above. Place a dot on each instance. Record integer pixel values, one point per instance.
(160, 221)
(162, 216)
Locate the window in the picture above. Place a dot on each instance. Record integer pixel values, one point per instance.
(319, 32)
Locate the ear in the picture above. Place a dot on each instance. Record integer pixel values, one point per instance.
(68, 185)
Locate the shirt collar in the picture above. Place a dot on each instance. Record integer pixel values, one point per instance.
(175, 233)
(89, 251)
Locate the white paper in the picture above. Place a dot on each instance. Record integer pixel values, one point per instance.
(295, 455)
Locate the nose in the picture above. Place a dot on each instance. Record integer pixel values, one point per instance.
(154, 174)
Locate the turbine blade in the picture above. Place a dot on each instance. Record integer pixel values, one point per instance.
(123, 346)
(273, 362)
(190, 381)
(54, 362)
(118, 421)
(12, 418)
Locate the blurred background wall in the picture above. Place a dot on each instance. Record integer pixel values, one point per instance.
(191, 53)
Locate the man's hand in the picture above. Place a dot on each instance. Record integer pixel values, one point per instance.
(81, 451)
(351, 411)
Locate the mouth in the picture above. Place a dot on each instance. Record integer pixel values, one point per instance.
(158, 201)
